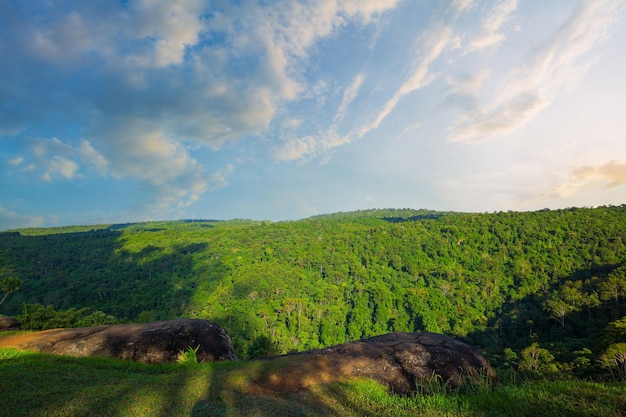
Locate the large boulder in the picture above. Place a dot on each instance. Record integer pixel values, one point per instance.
(155, 342)
(9, 323)
(401, 361)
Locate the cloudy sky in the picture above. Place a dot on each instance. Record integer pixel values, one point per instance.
(122, 111)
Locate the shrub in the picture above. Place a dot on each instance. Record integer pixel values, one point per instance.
(188, 356)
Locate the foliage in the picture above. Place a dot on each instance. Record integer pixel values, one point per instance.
(616, 330)
(262, 346)
(188, 356)
(39, 317)
(537, 359)
(8, 285)
(501, 281)
(615, 359)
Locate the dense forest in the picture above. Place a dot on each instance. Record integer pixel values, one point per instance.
(543, 291)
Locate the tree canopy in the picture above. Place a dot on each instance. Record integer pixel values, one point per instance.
(505, 281)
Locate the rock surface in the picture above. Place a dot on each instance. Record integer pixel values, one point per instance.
(9, 323)
(400, 361)
(155, 342)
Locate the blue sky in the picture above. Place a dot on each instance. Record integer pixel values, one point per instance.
(127, 111)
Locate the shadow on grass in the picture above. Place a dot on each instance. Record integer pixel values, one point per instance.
(45, 385)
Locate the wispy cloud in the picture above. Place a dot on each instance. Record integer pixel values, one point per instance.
(312, 145)
(581, 178)
(62, 167)
(17, 161)
(466, 91)
(503, 187)
(349, 95)
(408, 129)
(490, 35)
(459, 6)
(14, 220)
(307, 147)
(552, 68)
(430, 45)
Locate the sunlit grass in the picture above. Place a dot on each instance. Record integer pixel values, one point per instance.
(46, 385)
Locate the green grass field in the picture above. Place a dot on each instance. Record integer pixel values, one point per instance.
(44, 385)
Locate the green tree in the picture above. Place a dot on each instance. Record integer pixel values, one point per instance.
(9, 285)
(558, 310)
(616, 330)
(614, 358)
(537, 359)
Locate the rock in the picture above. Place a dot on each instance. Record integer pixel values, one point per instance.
(9, 323)
(155, 342)
(401, 361)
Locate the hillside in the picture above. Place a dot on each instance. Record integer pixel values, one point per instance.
(506, 282)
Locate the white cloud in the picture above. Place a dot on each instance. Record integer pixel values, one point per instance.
(54, 159)
(60, 166)
(311, 146)
(581, 178)
(491, 34)
(500, 119)
(219, 179)
(554, 67)
(430, 45)
(502, 188)
(67, 36)
(460, 6)
(174, 26)
(408, 129)
(466, 91)
(349, 95)
(12, 220)
(92, 156)
(292, 123)
(144, 81)
(366, 10)
(297, 149)
(17, 161)
(135, 131)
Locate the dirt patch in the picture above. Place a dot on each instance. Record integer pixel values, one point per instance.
(16, 340)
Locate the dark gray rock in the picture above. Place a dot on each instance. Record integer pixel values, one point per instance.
(401, 361)
(155, 342)
(9, 323)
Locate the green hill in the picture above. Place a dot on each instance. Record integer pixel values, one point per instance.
(506, 281)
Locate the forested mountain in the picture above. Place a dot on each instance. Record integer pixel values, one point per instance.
(548, 285)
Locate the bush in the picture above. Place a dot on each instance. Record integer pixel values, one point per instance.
(39, 317)
(261, 346)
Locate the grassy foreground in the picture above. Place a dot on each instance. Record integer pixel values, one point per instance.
(44, 385)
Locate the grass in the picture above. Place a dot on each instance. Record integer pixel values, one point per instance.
(35, 384)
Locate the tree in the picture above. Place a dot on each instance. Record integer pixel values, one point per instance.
(537, 359)
(559, 309)
(616, 330)
(8, 285)
(614, 286)
(614, 358)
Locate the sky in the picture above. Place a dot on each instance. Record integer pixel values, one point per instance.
(135, 110)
